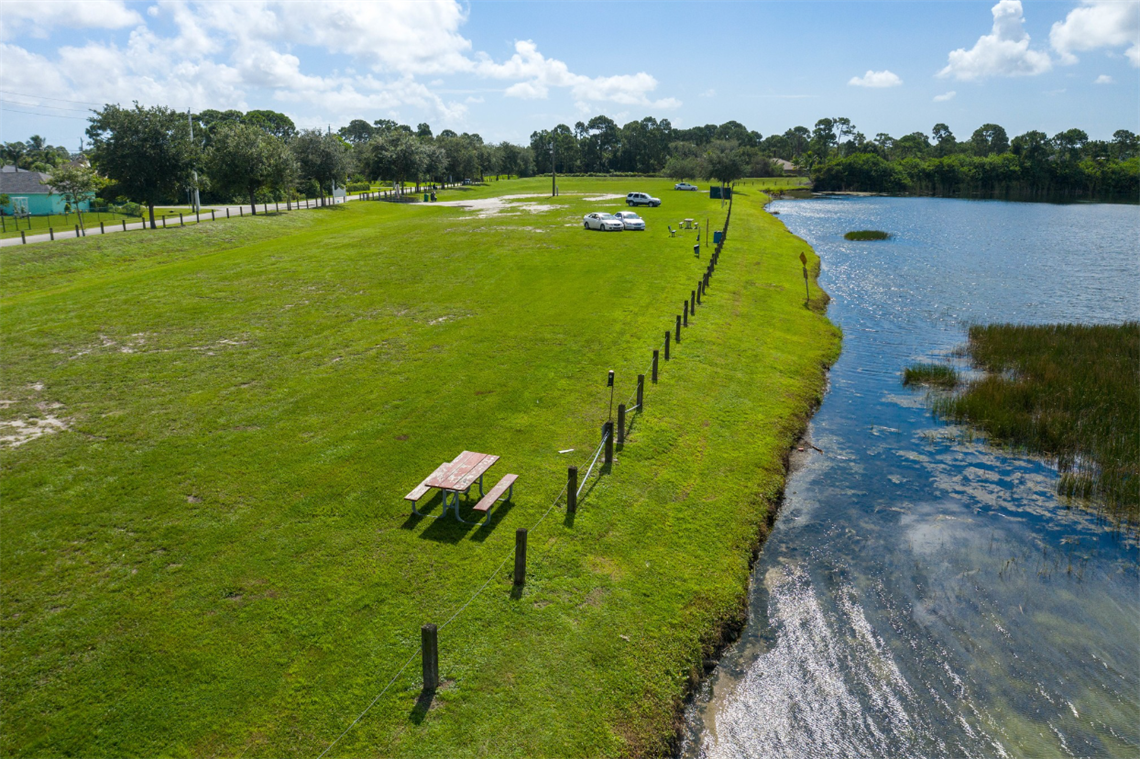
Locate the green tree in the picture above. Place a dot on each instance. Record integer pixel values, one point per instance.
(989, 139)
(944, 141)
(271, 122)
(240, 160)
(76, 184)
(146, 151)
(321, 157)
(723, 162)
(357, 132)
(397, 157)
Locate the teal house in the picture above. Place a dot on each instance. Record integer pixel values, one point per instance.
(30, 192)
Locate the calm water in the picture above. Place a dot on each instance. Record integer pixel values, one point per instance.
(921, 596)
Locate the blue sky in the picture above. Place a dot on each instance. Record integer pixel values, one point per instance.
(505, 69)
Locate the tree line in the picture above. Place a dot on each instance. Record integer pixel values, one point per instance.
(153, 155)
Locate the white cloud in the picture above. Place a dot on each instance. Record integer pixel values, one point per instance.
(223, 54)
(1003, 52)
(945, 96)
(39, 19)
(539, 73)
(1103, 79)
(882, 78)
(1097, 24)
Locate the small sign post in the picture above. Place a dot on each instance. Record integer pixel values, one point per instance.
(807, 292)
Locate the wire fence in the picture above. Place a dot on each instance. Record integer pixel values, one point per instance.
(606, 436)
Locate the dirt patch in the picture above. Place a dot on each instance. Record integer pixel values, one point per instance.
(502, 205)
(596, 198)
(16, 432)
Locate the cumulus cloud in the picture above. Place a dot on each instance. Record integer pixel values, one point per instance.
(39, 19)
(1003, 52)
(1103, 79)
(945, 96)
(882, 78)
(223, 54)
(1098, 24)
(539, 74)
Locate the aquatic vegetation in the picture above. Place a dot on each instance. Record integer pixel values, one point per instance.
(936, 375)
(866, 234)
(1069, 392)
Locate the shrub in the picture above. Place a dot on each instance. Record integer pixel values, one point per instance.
(358, 187)
(866, 234)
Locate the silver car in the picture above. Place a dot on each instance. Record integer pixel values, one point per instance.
(606, 222)
(631, 220)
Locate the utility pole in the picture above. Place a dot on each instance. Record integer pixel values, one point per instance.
(553, 175)
(194, 201)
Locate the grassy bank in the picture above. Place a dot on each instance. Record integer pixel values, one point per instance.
(1069, 392)
(211, 554)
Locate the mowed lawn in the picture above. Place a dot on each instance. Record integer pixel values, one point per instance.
(214, 558)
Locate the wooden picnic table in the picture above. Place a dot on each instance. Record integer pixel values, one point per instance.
(458, 476)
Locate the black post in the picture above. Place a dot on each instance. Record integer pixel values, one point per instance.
(24, 236)
(241, 211)
(608, 431)
(181, 221)
(77, 230)
(685, 320)
(621, 423)
(640, 392)
(198, 214)
(429, 640)
(667, 336)
(227, 213)
(51, 232)
(124, 225)
(571, 489)
(213, 215)
(655, 367)
(520, 556)
(102, 229)
(692, 301)
(678, 337)
(700, 286)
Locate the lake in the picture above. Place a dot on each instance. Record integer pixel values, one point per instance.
(923, 594)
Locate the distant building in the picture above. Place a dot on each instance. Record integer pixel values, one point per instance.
(30, 191)
(790, 169)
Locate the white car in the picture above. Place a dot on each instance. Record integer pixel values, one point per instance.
(685, 186)
(606, 222)
(641, 199)
(631, 220)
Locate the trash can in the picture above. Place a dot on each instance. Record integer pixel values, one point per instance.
(716, 237)
(426, 197)
(714, 193)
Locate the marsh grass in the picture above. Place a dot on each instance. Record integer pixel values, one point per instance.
(866, 234)
(1069, 392)
(936, 375)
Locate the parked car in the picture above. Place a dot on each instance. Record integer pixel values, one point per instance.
(685, 186)
(606, 222)
(631, 220)
(641, 199)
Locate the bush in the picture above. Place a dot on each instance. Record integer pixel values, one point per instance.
(358, 187)
(866, 234)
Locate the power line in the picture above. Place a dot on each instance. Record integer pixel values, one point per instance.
(45, 97)
(32, 113)
(53, 107)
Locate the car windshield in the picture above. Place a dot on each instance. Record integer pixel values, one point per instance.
(629, 216)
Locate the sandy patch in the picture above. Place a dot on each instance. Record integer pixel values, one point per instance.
(596, 198)
(19, 431)
(503, 205)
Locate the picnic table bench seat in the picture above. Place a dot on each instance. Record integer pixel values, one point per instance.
(488, 500)
(420, 490)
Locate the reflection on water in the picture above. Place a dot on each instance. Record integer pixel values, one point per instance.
(921, 596)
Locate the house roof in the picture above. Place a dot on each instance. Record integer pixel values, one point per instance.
(16, 181)
(786, 165)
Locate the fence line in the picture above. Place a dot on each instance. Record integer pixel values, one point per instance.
(499, 568)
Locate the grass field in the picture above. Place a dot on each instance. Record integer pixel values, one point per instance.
(209, 554)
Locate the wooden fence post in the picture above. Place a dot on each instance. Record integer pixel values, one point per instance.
(24, 236)
(654, 374)
(124, 225)
(692, 301)
(571, 489)
(181, 221)
(621, 423)
(102, 229)
(227, 213)
(213, 215)
(667, 336)
(699, 288)
(678, 338)
(520, 556)
(77, 230)
(429, 640)
(640, 391)
(51, 233)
